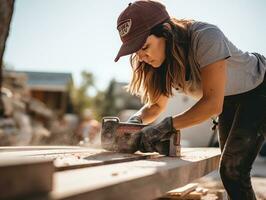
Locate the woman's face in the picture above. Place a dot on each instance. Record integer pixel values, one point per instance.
(153, 51)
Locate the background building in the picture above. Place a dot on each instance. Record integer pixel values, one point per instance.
(50, 88)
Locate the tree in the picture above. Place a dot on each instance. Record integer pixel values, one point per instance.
(108, 105)
(79, 95)
(105, 103)
(6, 11)
(114, 100)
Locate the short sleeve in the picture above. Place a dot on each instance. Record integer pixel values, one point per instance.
(211, 46)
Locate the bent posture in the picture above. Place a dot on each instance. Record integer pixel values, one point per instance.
(197, 59)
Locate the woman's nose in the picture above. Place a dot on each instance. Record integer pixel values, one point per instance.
(141, 55)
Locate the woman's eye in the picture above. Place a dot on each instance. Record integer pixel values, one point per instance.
(146, 47)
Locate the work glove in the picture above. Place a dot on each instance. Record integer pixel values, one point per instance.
(135, 120)
(157, 137)
(129, 143)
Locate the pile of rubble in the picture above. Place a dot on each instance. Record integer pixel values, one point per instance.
(28, 121)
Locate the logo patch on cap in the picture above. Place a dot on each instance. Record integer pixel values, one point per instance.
(124, 28)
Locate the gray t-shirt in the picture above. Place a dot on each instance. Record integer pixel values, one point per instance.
(245, 70)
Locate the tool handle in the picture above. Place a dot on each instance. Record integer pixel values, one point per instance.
(175, 148)
(110, 118)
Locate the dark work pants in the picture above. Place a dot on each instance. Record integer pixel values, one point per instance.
(242, 127)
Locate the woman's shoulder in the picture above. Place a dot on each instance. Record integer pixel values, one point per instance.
(208, 43)
(200, 26)
(202, 32)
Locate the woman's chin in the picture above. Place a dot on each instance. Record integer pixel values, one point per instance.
(155, 65)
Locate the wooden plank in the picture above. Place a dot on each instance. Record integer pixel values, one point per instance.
(81, 160)
(34, 148)
(35, 152)
(197, 194)
(144, 179)
(20, 177)
(182, 191)
(65, 159)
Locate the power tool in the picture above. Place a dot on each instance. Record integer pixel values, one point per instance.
(118, 136)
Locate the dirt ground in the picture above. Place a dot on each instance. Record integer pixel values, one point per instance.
(213, 181)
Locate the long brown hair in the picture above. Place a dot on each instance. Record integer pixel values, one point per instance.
(150, 83)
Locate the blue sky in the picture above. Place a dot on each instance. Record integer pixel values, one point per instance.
(76, 35)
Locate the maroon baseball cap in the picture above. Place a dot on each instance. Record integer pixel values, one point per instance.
(136, 21)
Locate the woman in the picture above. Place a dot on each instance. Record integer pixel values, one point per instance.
(197, 59)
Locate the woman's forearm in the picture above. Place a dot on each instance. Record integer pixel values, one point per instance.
(148, 114)
(201, 111)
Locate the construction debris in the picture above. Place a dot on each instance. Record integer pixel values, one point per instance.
(193, 191)
(28, 121)
(182, 191)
